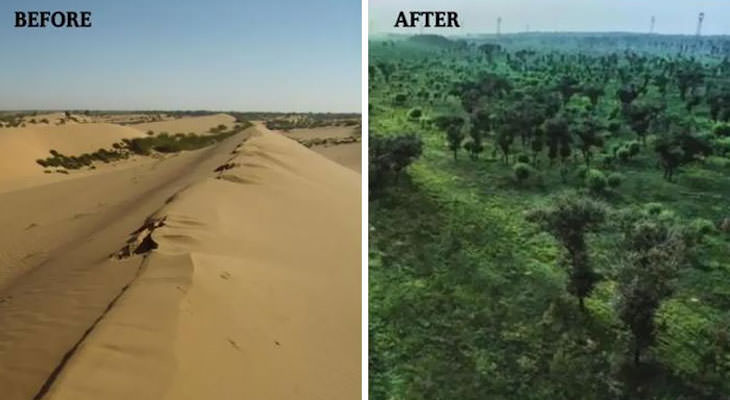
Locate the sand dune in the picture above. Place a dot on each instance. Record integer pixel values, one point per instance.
(247, 284)
(347, 154)
(187, 124)
(20, 147)
(322, 132)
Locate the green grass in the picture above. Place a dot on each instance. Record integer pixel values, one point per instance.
(467, 299)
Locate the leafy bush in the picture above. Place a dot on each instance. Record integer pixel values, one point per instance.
(596, 181)
(634, 148)
(722, 129)
(623, 154)
(614, 180)
(582, 171)
(414, 113)
(722, 146)
(522, 171)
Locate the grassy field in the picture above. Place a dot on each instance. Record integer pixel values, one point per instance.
(468, 298)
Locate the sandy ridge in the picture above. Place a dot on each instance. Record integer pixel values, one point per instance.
(255, 297)
(61, 294)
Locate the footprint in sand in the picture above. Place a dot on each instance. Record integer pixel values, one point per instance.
(234, 344)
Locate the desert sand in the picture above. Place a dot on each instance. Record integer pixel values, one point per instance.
(227, 272)
(20, 147)
(347, 154)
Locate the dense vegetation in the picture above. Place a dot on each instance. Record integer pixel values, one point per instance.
(162, 143)
(549, 217)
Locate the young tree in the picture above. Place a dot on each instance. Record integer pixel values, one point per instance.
(522, 172)
(481, 124)
(594, 91)
(557, 134)
(505, 138)
(567, 86)
(640, 116)
(655, 252)
(569, 219)
(588, 132)
(678, 148)
(474, 144)
(388, 156)
(537, 144)
(689, 76)
(452, 124)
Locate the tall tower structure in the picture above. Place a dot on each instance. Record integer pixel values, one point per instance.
(499, 26)
(699, 23)
(651, 27)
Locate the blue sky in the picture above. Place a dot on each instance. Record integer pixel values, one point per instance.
(478, 16)
(247, 55)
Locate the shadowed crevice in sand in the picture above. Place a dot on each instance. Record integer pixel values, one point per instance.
(228, 165)
(141, 241)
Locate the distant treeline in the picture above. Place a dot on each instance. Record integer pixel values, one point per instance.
(269, 115)
(587, 43)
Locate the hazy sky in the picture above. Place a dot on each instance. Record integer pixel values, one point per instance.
(255, 55)
(672, 16)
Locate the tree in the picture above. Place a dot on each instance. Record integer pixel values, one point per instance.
(569, 219)
(481, 124)
(640, 115)
(588, 132)
(505, 138)
(537, 144)
(678, 148)
(628, 93)
(719, 101)
(522, 171)
(655, 252)
(388, 156)
(558, 137)
(594, 91)
(474, 144)
(596, 181)
(721, 130)
(688, 77)
(452, 124)
(567, 86)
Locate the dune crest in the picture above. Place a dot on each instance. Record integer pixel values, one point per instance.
(249, 287)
